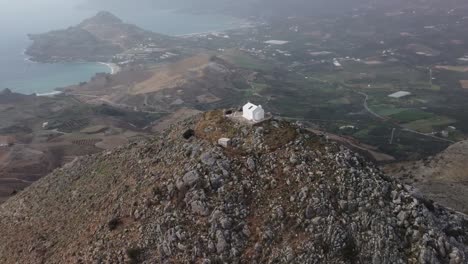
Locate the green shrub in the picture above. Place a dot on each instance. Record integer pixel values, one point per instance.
(134, 254)
(113, 223)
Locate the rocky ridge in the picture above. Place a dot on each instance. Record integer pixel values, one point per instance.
(276, 194)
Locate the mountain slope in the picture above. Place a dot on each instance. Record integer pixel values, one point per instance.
(277, 195)
(442, 177)
(198, 81)
(95, 39)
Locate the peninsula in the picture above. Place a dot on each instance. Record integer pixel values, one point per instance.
(95, 39)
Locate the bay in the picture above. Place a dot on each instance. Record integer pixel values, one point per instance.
(21, 75)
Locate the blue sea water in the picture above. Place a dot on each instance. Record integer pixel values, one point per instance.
(21, 75)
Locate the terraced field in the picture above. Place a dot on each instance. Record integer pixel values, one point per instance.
(86, 142)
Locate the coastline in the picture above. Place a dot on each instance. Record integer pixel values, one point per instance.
(27, 58)
(112, 66)
(34, 63)
(114, 69)
(50, 94)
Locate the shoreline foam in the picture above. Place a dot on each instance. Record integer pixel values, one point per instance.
(112, 66)
(49, 94)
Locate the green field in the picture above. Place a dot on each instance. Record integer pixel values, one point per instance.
(387, 109)
(411, 115)
(428, 125)
(257, 89)
(364, 133)
(453, 68)
(246, 61)
(340, 101)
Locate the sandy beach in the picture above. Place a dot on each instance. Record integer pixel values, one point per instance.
(49, 94)
(112, 66)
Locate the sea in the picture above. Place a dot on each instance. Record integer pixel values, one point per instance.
(19, 74)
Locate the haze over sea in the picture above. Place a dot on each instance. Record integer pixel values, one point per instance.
(21, 75)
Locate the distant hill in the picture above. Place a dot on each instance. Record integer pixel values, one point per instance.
(96, 39)
(280, 8)
(276, 194)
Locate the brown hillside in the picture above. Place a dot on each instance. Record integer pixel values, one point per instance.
(173, 75)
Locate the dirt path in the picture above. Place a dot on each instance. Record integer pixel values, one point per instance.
(117, 105)
(16, 180)
(378, 156)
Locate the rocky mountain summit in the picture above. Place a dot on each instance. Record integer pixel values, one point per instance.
(275, 194)
(102, 18)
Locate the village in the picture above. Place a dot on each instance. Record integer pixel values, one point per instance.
(144, 53)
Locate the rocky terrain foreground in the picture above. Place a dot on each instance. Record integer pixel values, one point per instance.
(276, 194)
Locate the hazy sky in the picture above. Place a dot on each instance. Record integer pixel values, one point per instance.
(37, 15)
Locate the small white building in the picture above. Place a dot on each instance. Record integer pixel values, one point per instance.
(347, 127)
(337, 63)
(276, 42)
(253, 112)
(444, 133)
(6, 141)
(399, 94)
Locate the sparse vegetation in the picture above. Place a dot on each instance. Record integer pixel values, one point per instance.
(276, 138)
(189, 133)
(134, 255)
(113, 223)
(214, 125)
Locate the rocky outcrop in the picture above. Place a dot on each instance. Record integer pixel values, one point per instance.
(276, 194)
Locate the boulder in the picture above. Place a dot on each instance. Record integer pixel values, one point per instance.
(224, 142)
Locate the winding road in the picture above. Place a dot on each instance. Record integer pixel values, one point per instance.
(366, 106)
(117, 105)
(16, 180)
